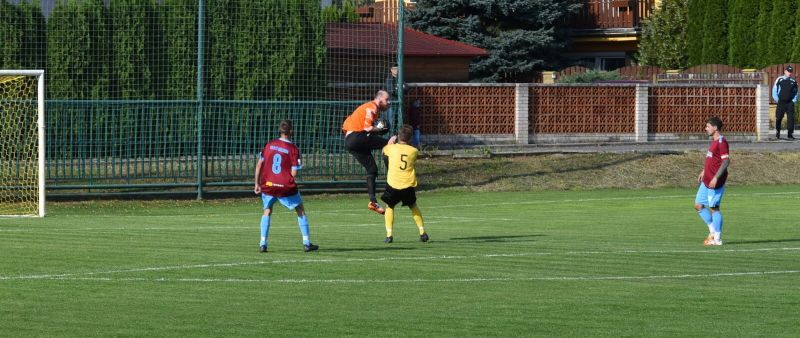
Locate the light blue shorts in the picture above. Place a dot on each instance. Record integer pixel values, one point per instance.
(708, 197)
(290, 202)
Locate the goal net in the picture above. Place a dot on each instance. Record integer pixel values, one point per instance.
(21, 143)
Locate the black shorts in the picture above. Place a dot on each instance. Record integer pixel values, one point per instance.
(393, 196)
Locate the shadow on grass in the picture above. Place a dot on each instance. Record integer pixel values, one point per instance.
(495, 239)
(763, 241)
(388, 247)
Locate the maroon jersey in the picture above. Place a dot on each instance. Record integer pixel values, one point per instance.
(280, 157)
(717, 153)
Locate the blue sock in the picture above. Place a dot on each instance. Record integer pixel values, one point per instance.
(264, 229)
(705, 214)
(303, 222)
(717, 216)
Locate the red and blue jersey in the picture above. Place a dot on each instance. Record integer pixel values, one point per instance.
(280, 157)
(717, 153)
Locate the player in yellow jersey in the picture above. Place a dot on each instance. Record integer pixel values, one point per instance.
(401, 181)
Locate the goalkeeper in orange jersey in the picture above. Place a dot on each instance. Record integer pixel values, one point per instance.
(401, 181)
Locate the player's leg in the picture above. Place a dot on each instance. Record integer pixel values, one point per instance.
(295, 202)
(714, 200)
(372, 175)
(699, 204)
(416, 214)
(780, 109)
(390, 198)
(409, 198)
(267, 201)
(790, 121)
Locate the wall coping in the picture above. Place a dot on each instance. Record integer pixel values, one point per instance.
(510, 85)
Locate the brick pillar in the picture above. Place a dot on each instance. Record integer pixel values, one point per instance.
(521, 114)
(642, 102)
(762, 113)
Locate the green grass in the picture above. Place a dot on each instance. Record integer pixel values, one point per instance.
(555, 263)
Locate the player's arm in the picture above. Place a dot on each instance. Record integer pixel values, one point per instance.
(257, 188)
(700, 177)
(368, 121)
(297, 163)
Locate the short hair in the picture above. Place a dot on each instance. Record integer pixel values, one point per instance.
(286, 127)
(716, 122)
(405, 132)
(381, 92)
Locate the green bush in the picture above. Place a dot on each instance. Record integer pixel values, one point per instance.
(591, 77)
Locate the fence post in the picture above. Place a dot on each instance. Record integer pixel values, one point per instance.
(642, 109)
(762, 112)
(521, 114)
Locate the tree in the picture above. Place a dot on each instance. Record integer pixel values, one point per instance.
(664, 43)
(10, 36)
(180, 22)
(742, 17)
(34, 35)
(782, 31)
(715, 32)
(694, 30)
(136, 45)
(522, 36)
(346, 12)
(762, 32)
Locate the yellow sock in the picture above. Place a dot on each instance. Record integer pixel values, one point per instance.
(388, 217)
(417, 215)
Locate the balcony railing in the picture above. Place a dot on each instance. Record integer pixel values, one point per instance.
(607, 14)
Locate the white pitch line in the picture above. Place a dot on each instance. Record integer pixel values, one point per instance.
(355, 213)
(447, 280)
(351, 260)
(254, 226)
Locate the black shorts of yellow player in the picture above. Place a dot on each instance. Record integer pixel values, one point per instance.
(392, 196)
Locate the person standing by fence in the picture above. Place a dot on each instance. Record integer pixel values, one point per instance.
(784, 92)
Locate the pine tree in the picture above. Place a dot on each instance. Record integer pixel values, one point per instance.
(34, 35)
(763, 30)
(10, 36)
(695, 31)
(743, 16)
(664, 42)
(134, 43)
(782, 31)
(180, 29)
(521, 36)
(715, 32)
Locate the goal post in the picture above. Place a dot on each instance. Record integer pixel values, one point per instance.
(22, 147)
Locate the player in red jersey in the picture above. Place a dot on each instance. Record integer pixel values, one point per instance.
(275, 175)
(712, 182)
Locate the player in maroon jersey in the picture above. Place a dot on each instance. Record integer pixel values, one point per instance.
(275, 175)
(712, 182)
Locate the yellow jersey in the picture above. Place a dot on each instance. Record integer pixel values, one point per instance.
(402, 159)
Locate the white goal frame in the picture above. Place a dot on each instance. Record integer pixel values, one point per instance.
(39, 74)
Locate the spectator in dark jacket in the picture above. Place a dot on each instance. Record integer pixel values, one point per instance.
(784, 92)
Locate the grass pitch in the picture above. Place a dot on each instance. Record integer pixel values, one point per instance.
(557, 263)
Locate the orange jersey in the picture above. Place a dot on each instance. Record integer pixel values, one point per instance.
(361, 118)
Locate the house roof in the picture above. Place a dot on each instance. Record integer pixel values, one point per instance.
(380, 39)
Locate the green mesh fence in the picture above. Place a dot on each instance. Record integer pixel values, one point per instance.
(127, 110)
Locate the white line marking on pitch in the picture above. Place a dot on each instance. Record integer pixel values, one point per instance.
(445, 219)
(352, 213)
(350, 260)
(447, 280)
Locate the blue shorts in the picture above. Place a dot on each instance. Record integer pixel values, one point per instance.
(709, 197)
(290, 202)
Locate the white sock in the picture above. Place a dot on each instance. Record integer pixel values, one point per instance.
(710, 228)
(717, 236)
